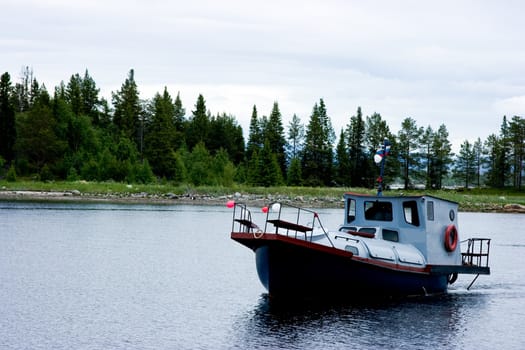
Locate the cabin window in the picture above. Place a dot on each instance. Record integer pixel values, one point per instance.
(370, 230)
(380, 211)
(430, 211)
(350, 214)
(411, 214)
(390, 235)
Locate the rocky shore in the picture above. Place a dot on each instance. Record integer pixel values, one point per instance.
(205, 199)
(168, 198)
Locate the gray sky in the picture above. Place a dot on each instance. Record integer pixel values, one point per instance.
(458, 63)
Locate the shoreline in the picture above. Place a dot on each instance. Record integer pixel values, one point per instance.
(144, 198)
(76, 196)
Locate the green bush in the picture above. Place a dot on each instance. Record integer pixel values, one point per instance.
(72, 174)
(142, 173)
(90, 170)
(45, 174)
(11, 174)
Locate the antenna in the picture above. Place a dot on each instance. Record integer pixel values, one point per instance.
(380, 158)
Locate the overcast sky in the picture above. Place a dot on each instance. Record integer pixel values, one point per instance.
(458, 63)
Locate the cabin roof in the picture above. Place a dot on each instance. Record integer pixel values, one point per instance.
(365, 195)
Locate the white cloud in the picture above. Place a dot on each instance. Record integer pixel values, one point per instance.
(510, 106)
(451, 62)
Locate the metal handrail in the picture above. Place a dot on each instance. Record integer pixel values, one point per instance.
(243, 217)
(294, 224)
(477, 254)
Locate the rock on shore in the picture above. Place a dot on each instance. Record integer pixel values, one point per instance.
(514, 208)
(206, 199)
(168, 198)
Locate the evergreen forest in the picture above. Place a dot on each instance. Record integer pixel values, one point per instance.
(72, 133)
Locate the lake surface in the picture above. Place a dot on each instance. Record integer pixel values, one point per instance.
(96, 276)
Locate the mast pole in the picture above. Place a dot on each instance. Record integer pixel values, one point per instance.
(385, 148)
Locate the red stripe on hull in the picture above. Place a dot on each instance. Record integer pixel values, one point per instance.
(254, 241)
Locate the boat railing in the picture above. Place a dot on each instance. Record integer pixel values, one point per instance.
(242, 219)
(477, 253)
(293, 221)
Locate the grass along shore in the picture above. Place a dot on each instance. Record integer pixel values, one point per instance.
(479, 200)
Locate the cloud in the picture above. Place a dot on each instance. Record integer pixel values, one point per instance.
(448, 62)
(511, 106)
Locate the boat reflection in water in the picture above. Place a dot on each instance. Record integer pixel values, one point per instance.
(420, 322)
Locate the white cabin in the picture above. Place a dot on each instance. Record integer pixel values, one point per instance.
(420, 221)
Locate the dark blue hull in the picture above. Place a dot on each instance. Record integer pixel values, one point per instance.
(287, 269)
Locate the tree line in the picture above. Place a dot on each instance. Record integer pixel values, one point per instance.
(74, 134)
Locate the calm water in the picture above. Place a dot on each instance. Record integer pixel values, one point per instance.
(93, 276)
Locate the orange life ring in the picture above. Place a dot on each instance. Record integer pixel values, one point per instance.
(451, 238)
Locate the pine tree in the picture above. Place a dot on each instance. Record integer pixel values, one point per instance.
(35, 91)
(442, 156)
(312, 151)
(327, 144)
(7, 119)
(37, 143)
(408, 141)
(274, 134)
(317, 153)
(504, 161)
(477, 150)
(198, 127)
(342, 161)
(495, 156)
(67, 125)
(517, 145)
(225, 134)
(436, 155)
(255, 136)
(179, 123)
(376, 130)
(427, 142)
(269, 169)
(81, 137)
(23, 90)
(159, 139)
(73, 94)
(105, 118)
(128, 111)
(356, 145)
(90, 99)
(465, 164)
(253, 166)
(119, 161)
(294, 173)
(295, 137)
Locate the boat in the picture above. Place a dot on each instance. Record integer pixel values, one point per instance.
(384, 246)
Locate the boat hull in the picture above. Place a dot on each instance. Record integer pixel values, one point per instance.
(289, 267)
